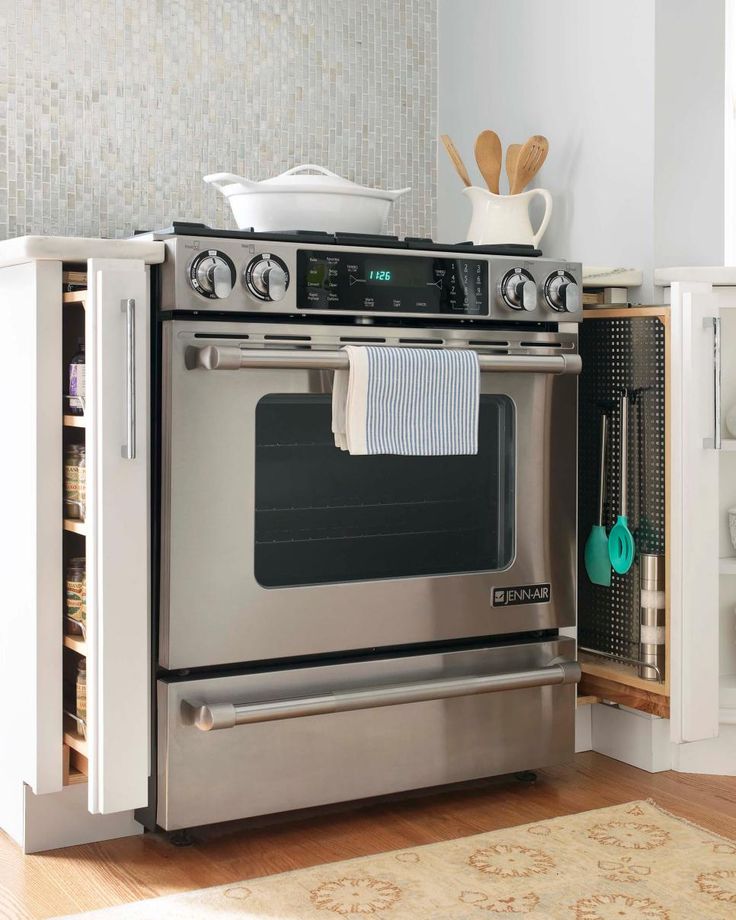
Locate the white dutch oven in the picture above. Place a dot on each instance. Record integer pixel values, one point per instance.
(297, 200)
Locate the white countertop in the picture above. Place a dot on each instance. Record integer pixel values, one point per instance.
(77, 249)
(710, 274)
(609, 276)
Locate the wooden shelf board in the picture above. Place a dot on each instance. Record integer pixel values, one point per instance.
(75, 421)
(73, 739)
(620, 311)
(625, 674)
(616, 692)
(76, 644)
(73, 526)
(586, 700)
(75, 297)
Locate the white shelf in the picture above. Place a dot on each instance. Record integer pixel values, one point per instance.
(727, 565)
(728, 691)
(726, 443)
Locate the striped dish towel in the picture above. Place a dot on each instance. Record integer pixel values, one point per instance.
(413, 401)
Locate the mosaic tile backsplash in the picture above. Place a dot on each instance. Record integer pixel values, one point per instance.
(111, 111)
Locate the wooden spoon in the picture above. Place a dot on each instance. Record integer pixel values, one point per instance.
(512, 158)
(489, 157)
(531, 157)
(457, 160)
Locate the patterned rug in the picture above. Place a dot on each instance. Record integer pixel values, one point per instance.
(629, 862)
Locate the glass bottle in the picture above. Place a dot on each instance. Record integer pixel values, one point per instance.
(76, 595)
(82, 693)
(77, 380)
(75, 482)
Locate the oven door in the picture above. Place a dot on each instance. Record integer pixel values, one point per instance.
(276, 544)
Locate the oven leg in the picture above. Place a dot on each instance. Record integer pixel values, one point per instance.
(526, 776)
(181, 839)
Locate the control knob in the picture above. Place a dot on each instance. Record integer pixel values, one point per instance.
(267, 278)
(212, 274)
(519, 290)
(562, 292)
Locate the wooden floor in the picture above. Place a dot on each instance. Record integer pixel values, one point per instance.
(99, 875)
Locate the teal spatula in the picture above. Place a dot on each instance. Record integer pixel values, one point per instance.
(597, 563)
(620, 542)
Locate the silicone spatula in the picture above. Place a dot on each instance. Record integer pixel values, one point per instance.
(620, 542)
(597, 562)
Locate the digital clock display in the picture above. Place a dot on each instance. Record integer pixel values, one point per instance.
(391, 283)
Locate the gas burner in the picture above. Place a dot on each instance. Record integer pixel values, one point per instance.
(382, 241)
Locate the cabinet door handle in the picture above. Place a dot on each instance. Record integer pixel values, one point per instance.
(714, 322)
(213, 716)
(127, 307)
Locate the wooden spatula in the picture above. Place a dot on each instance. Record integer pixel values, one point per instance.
(489, 157)
(531, 157)
(457, 160)
(512, 157)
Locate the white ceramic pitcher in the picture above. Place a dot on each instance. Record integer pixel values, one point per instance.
(505, 218)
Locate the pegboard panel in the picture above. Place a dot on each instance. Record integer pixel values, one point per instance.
(617, 354)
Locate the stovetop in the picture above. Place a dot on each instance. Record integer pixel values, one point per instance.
(186, 228)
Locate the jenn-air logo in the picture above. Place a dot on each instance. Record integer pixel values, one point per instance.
(520, 594)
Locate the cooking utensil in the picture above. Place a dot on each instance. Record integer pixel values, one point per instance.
(512, 158)
(457, 160)
(597, 562)
(489, 157)
(531, 157)
(298, 199)
(620, 542)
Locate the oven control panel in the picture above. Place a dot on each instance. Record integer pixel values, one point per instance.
(364, 282)
(260, 276)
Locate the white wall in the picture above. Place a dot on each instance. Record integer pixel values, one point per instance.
(689, 175)
(626, 92)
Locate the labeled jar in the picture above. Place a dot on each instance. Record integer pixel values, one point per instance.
(75, 482)
(81, 695)
(76, 595)
(77, 380)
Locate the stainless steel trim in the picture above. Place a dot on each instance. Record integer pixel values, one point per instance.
(652, 667)
(128, 450)
(213, 716)
(716, 321)
(225, 357)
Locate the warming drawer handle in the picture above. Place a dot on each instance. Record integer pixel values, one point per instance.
(230, 357)
(212, 716)
(128, 450)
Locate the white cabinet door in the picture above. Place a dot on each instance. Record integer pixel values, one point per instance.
(118, 553)
(31, 547)
(694, 556)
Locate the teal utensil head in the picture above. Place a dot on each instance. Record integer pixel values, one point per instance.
(597, 563)
(621, 546)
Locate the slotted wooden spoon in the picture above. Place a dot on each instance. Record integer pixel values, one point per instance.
(457, 160)
(531, 157)
(489, 157)
(512, 157)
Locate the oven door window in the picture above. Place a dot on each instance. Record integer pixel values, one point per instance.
(324, 516)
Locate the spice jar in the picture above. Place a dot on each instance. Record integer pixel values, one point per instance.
(82, 694)
(77, 369)
(76, 595)
(75, 482)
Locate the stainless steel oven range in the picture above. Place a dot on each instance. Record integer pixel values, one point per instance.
(331, 627)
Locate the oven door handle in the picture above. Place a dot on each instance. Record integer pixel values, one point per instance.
(231, 357)
(212, 716)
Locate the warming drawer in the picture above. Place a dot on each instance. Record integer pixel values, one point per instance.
(275, 740)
